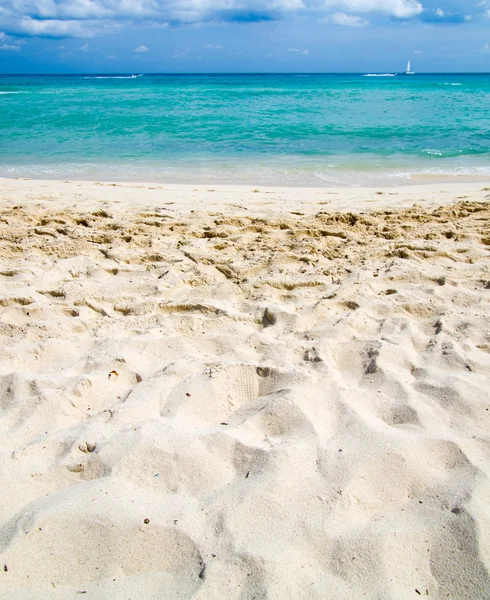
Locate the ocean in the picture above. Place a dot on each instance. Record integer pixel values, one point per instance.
(294, 129)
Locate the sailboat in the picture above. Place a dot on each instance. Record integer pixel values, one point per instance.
(409, 70)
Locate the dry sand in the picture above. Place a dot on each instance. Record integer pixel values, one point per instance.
(238, 394)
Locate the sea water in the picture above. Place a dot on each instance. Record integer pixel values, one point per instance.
(294, 129)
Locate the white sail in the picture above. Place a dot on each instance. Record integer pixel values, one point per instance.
(409, 69)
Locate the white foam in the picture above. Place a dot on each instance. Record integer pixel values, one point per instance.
(380, 75)
(113, 76)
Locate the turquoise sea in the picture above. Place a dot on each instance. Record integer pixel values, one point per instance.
(325, 129)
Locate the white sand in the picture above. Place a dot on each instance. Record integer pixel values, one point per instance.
(296, 398)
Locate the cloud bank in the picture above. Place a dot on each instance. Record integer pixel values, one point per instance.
(88, 18)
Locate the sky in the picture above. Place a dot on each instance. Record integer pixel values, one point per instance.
(203, 36)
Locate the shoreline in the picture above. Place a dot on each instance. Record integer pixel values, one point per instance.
(212, 391)
(337, 179)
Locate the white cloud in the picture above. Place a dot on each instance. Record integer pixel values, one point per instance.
(84, 48)
(9, 47)
(54, 28)
(213, 46)
(418, 52)
(299, 51)
(486, 47)
(87, 18)
(397, 8)
(345, 20)
(141, 50)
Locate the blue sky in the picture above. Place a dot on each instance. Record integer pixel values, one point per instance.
(70, 36)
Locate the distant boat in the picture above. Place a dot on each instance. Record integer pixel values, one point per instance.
(409, 70)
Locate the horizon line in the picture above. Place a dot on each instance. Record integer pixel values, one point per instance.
(244, 73)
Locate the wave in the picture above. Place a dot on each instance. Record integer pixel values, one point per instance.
(380, 75)
(347, 171)
(454, 152)
(114, 76)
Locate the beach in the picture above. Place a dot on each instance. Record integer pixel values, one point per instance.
(220, 391)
